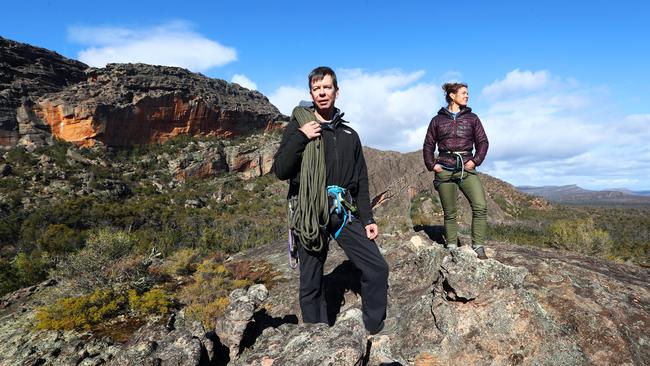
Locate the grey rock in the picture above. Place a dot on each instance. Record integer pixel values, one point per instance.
(311, 344)
(236, 294)
(258, 293)
(230, 328)
(466, 278)
(154, 344)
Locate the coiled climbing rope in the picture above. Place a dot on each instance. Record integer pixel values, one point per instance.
(311, 215)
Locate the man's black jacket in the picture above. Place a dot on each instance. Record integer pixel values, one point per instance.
(344, 162)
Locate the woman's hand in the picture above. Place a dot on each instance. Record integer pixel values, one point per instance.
(470, 165)
(311, 129)
(437, 168)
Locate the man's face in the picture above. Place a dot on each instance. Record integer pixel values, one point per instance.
(323, 93)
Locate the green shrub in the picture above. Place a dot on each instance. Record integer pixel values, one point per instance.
(579, 235)
(57, 151)
(31, 267)
(59, 239)
(521, 233)
(19, 156)
(99, 264)
(9, 228)
(9, 280)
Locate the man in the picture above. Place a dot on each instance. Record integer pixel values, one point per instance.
(345, 167)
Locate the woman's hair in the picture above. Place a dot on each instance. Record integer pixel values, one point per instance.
(452, 88)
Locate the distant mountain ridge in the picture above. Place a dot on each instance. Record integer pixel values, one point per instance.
(575, 194)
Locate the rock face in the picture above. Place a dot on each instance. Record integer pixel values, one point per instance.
(27, 73)
(127, 104)
(44, 95)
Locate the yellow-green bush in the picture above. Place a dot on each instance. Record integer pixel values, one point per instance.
(181, 262)
(85, 312)
(153, 302)
(208, 313)
(80, 312)
(207, 296)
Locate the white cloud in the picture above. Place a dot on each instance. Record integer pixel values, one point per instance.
(516, 82)
(543, 129)
(244, 81)
(390, 109)
(286, 98)
(170, 44)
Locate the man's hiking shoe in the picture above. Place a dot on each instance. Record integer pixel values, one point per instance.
(480, 251)
(388, 327)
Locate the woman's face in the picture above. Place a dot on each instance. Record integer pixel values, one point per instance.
(461, 97)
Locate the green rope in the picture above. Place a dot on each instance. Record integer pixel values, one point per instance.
(311, 214)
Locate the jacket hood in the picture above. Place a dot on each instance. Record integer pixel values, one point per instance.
(337, 119)
(445, 112)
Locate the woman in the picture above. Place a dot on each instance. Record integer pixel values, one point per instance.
(458, 132)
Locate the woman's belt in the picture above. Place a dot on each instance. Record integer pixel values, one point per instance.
(449, 152)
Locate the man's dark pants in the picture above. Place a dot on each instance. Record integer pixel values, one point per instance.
(374, 277)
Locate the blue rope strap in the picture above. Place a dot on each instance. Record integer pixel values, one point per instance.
(338, 206)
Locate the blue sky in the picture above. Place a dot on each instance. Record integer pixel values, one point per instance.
(563, 88)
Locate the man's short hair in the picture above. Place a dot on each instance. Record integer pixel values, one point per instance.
(319, 73)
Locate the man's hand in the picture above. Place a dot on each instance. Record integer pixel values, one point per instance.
(470, 165)
(437, 168)
(311, 129)
(372, 230)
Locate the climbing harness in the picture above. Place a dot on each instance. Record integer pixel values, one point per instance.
(341, 206)
(460, 162)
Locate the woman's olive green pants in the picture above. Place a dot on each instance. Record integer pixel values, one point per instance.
(447, 184)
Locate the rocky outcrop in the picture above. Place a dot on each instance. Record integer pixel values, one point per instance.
(156, 344)
(523, 306)
(311, 344)
(26, 74)
(127, 104)
(250, 158)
